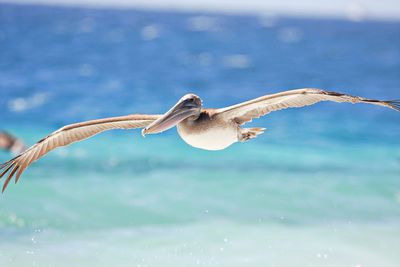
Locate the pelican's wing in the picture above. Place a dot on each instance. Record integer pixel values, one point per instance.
(246, 111)
(67, 135)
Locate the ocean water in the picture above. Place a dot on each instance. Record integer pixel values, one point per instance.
(320, 188)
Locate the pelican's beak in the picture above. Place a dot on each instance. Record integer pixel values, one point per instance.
(185, 108)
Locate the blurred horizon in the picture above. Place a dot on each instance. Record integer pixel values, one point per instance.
(351, 10)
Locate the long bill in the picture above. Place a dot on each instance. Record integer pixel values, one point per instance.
(182, 110)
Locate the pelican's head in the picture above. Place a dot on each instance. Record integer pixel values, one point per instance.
(188, 106)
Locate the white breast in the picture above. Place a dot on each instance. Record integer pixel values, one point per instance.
(216, 138)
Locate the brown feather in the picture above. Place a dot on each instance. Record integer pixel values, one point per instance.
(68, 135)
(9, 178)
(249, 110)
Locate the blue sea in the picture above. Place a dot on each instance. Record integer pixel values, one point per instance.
(321, 187)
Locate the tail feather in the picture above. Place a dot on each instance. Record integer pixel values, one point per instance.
(250, 133)
(257, 131)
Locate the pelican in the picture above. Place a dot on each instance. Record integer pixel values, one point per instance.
(204, 128)
(11, 143)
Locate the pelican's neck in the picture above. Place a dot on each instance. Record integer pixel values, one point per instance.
(203, 118)
(194, 117)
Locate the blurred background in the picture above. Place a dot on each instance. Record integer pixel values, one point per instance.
(320, 188)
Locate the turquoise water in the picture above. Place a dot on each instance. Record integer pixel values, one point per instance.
(320, 188)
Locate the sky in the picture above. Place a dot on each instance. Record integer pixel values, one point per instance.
(354, 10)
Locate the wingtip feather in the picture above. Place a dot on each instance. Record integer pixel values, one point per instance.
(6, 169)
(4, 165)
(10, 176)
(10, 167)
(394, 104)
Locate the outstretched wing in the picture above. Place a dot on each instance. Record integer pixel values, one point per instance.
(68, 135)
(246, 111)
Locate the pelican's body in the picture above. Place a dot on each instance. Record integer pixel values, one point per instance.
(210, 129)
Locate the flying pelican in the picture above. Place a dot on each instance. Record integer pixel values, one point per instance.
(210, 129)
(11, 143)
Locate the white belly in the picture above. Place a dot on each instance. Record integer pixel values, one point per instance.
(210, 139)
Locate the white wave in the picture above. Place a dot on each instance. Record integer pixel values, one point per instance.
(203, 23)
(267, 21)
(150, 32)
(23, 103)
(238, 61)
(290, 35)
